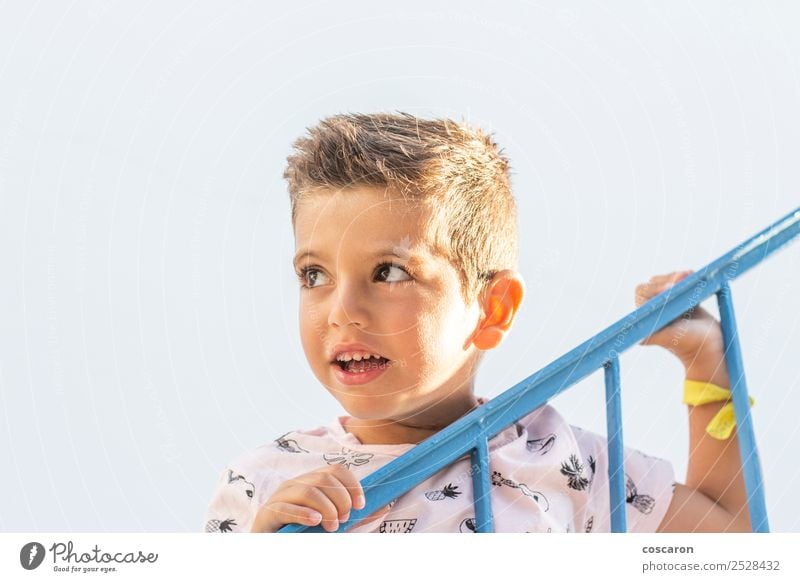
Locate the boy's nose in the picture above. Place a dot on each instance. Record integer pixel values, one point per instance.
(347, 308)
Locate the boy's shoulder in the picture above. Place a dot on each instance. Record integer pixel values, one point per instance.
(287, 444)
(544, 427)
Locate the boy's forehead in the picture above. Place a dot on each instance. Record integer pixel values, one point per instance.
(370, 205)
(332, 224)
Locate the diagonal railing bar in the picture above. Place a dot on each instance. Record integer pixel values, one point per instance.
(469, 435)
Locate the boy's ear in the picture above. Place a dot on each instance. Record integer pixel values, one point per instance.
(499, 303)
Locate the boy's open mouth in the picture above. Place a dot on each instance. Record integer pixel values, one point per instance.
(363, 365)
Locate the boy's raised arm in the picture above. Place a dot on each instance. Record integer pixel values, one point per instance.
(714, 498)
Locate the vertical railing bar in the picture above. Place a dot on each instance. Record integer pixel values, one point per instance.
(482, 486)
(616, 466)
(751, 466)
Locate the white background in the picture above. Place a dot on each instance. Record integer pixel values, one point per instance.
(148, 307)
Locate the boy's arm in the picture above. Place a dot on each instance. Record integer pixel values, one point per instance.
(714, 497)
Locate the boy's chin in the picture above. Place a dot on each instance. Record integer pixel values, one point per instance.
(368, 408)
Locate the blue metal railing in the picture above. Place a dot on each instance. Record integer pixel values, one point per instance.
(471, 433)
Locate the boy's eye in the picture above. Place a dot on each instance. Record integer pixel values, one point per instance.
(386, 272)
(387, 267)
(309, 276)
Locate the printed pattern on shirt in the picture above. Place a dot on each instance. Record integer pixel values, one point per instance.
(446, 492)
(215, 525)
(467, 525)
(347, 458)
(289, 445)
(537, 496)
(238, 480)
(397, 526)
(643, 503)
(573, 469)
(541, 445)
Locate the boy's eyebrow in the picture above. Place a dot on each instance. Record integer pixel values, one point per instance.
(383, 252)
(304, 253)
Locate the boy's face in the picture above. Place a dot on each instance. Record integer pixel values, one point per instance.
(417, 320)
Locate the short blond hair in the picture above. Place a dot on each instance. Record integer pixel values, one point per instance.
(456, 170)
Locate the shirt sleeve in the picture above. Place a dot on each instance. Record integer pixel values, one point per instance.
(649, 484)
(233, 506)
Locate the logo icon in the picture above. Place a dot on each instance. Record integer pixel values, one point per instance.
(31, 555)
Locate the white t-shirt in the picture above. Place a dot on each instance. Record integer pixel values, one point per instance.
(547, 476)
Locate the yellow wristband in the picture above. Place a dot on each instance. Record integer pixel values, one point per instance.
(696, 393)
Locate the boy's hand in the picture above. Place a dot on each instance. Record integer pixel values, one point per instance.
(325, 495)
(694, 337)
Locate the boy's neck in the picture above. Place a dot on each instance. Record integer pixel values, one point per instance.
(391, 432)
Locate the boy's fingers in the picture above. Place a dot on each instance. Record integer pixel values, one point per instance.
(350, 482)
(314, 498)
(270, 518)
(339, 495)
(657, 284)
(644, 292)
(640, 292)
(673, 276)
(340, 485)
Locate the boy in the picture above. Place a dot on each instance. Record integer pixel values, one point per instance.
(406, 239)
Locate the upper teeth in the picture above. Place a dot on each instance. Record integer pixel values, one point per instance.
(357, 356)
